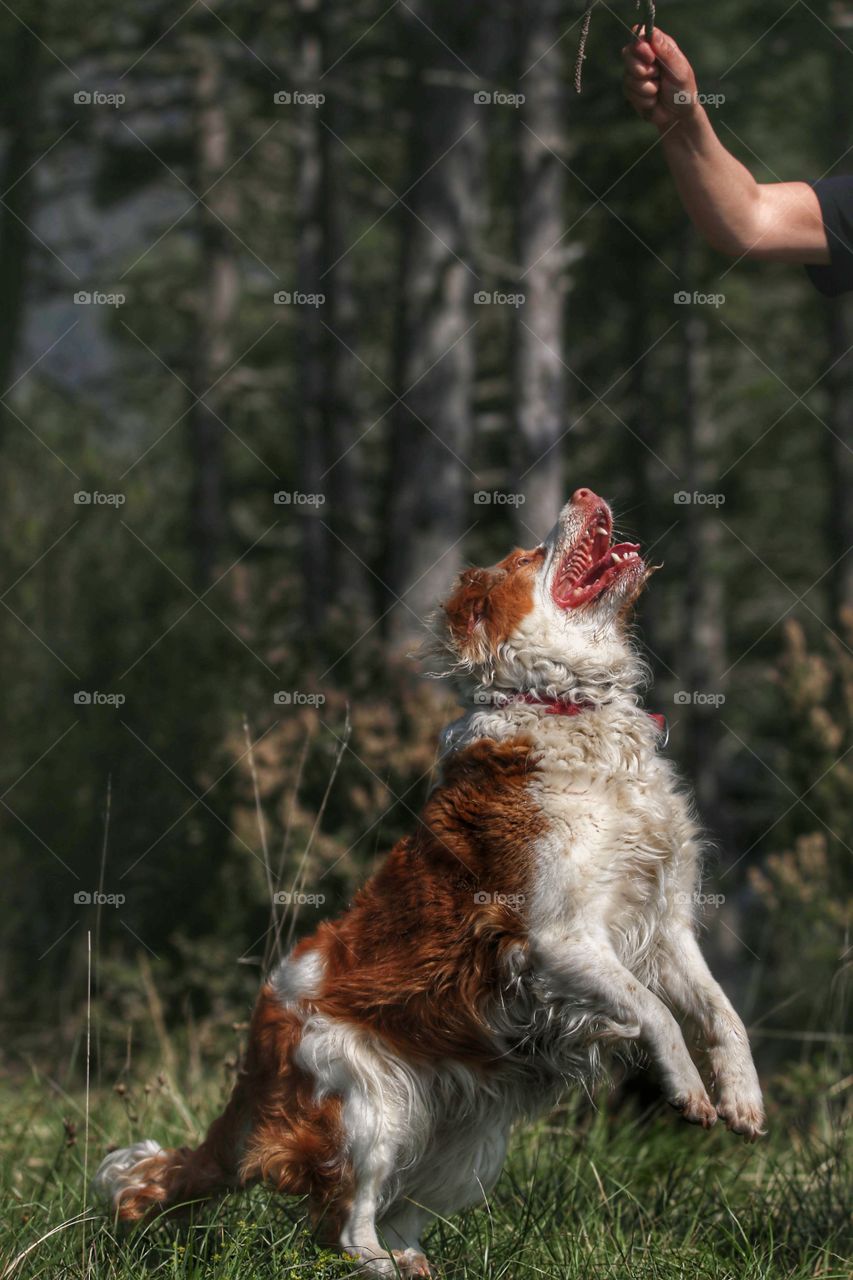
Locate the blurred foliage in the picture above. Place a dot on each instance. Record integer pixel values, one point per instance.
(806, 890)
(155, 799)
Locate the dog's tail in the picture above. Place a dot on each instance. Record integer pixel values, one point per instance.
(144, 1180)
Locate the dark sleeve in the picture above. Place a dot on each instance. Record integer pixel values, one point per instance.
(835, 196)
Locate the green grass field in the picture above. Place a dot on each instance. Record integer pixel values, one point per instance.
(584, 1194)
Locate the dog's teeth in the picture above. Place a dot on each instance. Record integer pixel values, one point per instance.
(617, 557)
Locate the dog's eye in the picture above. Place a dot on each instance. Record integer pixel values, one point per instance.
(522, 560)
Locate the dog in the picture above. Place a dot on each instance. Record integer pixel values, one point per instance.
(538, 921)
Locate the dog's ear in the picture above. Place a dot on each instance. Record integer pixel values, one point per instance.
(468, 604)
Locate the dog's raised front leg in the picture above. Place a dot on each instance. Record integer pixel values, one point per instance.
(690, 986)
(585, 969)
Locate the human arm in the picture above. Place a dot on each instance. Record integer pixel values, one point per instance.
(777, 221)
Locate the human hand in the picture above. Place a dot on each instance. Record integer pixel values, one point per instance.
(659, 82)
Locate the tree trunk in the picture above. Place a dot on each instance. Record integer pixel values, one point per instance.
(646, 475)
(214, 324)
(540, 379)
(430, 494)
(346, 511)
(311, 336)
(16, 211)
(703, 643)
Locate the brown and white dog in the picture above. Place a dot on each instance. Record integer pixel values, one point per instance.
(539, 919)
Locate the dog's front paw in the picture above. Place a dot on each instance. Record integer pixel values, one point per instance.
(739, 1101)
(696, 1107)
(412, 1263)
(399, 1262)
(742, 1113)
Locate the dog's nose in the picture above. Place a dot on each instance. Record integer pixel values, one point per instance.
(583, 495)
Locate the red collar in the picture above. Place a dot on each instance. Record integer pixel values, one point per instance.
(554, 706)
(565, 707)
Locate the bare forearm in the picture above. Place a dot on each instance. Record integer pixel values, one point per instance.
(777, 221)
(720, 195)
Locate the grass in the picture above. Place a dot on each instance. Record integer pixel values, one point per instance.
(584, 1195)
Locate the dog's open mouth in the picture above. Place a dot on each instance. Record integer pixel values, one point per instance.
(592, 564)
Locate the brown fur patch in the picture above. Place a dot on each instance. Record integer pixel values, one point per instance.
(295, 1143)
(492, 600)
(419, 953)
(272, 1130)
(415, 960)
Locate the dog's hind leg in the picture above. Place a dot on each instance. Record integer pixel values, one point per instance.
(144, 1180)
